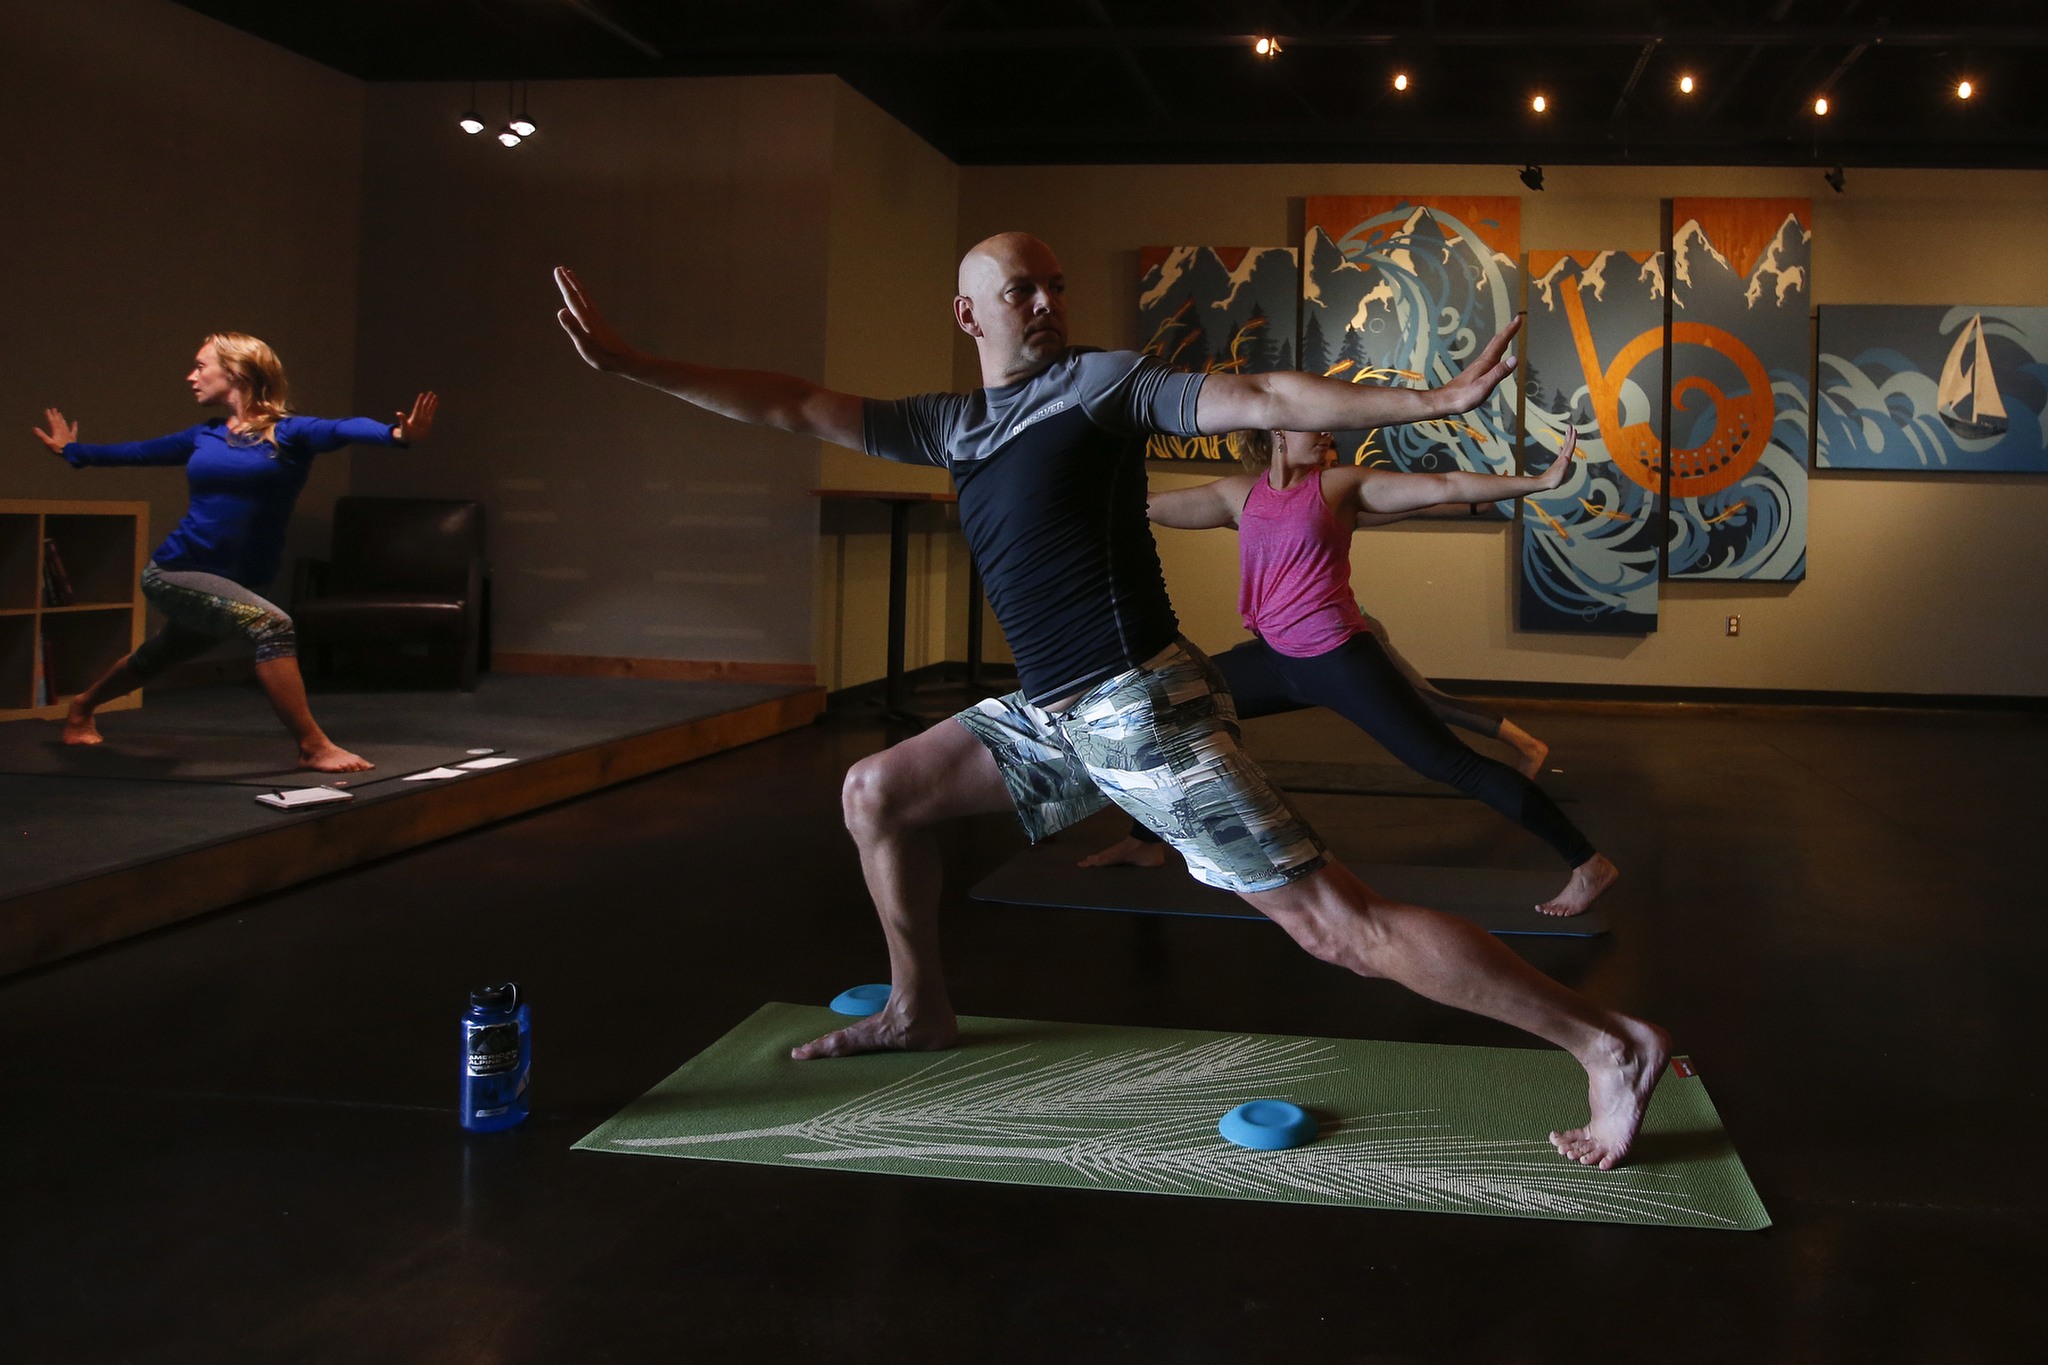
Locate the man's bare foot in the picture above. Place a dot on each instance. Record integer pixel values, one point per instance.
(1589, 879)
(887, 1030)
(80, 729)
(332, 758)
(1127, 851)
(1619, 1078)
(1532, 750)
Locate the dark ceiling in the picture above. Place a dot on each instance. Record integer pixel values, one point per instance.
(1136, 81)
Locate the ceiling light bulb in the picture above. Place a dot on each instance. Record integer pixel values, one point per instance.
(1400, 80)
(1685, 84)
(1266, 47)
(470, 123)
(1820, 105)
(523, 126)
(509, 138)
(1539, 104)
(1964, 90)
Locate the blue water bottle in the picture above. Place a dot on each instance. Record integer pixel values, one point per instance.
(497, 1055)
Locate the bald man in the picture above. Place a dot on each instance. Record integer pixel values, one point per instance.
(1048, 458)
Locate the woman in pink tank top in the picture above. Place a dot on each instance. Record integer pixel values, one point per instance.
(1313, 646)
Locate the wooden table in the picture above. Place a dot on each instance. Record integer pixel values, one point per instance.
(900, 501)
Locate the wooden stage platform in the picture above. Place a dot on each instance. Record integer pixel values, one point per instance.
(91, 859)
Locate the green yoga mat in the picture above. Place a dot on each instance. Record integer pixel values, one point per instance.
(1404, 1125)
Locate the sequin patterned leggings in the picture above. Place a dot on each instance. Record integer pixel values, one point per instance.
(203, 609)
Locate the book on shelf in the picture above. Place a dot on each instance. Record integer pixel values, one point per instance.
(46, 689)
(57, 590)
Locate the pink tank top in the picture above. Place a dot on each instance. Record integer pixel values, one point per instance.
(1294, 586)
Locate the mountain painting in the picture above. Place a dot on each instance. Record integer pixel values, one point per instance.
(1593, 349)
(1740, 344)
(1222, 310)
(1404, 291)
(1932, 388)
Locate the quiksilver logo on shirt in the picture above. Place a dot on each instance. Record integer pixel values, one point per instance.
(1048, 410)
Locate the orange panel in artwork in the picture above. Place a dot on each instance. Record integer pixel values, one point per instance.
(1495, 219)
(1150, 257)
(1740, 229)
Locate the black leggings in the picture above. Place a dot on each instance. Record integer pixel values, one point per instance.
(1360, 683)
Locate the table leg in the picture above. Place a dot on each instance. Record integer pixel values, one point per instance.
(899, 578)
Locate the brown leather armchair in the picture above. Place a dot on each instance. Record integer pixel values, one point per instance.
(403, 569)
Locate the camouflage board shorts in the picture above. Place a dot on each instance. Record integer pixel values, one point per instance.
(1161, 741)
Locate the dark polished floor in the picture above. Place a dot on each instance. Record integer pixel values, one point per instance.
(234, 1140)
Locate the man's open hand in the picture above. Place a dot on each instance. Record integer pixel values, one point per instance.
(1483, 375)
(600, 346)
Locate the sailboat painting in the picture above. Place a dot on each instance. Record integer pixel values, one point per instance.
(1935, 388)
(1741, 341)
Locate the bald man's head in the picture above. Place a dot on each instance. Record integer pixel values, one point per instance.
(1013, 302)
(989, 261)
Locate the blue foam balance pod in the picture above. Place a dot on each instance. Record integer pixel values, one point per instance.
(861, 1000)
(1268, 1125)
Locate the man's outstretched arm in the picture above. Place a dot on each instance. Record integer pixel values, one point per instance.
(1288, 400)
(758, 397)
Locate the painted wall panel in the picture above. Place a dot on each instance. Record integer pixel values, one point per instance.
(1405, 290)
(1935, 388)
(1594, 366)
(1740, 351)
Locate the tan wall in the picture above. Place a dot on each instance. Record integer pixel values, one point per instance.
(626, 523)
(888, 333)
(623, 523)
(168, 176)
(1916, 584)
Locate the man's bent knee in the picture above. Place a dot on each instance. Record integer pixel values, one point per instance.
(876, 795)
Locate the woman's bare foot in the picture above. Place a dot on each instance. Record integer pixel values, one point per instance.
(1589, 879)
(887, 1030)
(80, 729)
(1532, 750)
(1127, 851)
(1619, 1078)
(329, 757)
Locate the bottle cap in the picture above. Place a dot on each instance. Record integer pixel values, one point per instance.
(503, 996)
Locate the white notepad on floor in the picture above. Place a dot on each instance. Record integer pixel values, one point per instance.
(292, 798)
(431, 775)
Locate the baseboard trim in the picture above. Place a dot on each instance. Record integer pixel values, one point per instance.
(675, 670)
(1562, 696)
(1629, 696)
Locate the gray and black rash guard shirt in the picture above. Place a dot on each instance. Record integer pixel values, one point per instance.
(1051, 477)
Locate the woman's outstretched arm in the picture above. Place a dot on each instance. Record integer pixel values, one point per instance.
(62, 438)
(1203, 507)
(1385, 491)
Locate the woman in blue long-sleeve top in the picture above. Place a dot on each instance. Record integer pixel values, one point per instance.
(245, 472)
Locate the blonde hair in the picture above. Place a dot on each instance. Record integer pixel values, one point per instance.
(1253, 449)
(258, 372)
